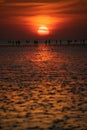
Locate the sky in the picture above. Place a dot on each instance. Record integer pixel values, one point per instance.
(22, 19)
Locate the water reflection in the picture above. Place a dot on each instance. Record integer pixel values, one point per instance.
(44, 54)
(43, 87)
(41, 54)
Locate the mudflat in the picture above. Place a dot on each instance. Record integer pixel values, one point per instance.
(43, 87)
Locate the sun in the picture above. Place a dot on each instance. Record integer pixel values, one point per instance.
(43, 30)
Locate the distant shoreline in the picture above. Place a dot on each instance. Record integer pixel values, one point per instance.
(46, 42)
(27, 45)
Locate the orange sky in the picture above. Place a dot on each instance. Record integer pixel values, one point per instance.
(65, 19)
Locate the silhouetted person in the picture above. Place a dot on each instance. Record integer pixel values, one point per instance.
(56, 41)
(35, 42)
(60, 42)
(69, 41)
(18, 42)
(46, 42)
(49, 41)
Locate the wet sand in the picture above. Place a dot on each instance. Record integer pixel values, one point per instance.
(43, 87)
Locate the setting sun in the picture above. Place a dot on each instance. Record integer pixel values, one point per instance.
(43, 30)
(41, 25)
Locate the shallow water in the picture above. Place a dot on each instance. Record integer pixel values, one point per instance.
(43, 87)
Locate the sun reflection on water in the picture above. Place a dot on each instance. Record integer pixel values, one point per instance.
(44, 54)
(42, 89)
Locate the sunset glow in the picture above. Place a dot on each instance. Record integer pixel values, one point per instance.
(40, 25)
(43, 30)
(64, 19)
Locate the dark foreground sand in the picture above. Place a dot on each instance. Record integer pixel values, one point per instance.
(43, 88)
